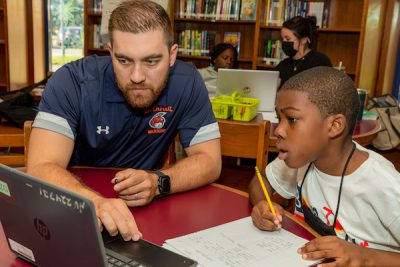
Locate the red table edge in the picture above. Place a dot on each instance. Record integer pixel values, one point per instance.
(239, 192)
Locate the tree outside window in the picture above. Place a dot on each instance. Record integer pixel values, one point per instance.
(65, 31)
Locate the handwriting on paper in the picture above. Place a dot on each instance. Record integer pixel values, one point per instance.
(240, 243)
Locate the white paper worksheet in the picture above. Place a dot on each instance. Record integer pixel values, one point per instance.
(240, 243)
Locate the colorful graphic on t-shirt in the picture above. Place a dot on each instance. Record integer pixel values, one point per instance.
(329, 218)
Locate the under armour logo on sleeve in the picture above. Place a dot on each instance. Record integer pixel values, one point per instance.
(101, 130)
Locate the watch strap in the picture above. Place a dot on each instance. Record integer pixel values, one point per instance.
(162, 179)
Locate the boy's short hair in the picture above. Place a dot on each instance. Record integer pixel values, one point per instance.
(331, 90)
(139, 16)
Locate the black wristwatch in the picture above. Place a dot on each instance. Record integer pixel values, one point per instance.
(164, 183)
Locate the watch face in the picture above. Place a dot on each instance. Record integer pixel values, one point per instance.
(164, 185)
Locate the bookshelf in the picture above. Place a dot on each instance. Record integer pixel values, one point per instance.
(341, 38)
(4, 72)
(92, 16)
(189, 17)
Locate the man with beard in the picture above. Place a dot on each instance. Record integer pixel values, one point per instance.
(124, 111)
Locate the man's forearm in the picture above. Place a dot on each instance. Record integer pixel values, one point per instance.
(192, 172)
(61, 177)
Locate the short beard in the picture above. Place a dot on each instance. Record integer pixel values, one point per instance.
(142, 102)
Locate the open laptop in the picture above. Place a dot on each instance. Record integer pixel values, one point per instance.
(261, 84)
(49, 226)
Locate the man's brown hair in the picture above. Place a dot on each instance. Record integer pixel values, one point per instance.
(139, 16)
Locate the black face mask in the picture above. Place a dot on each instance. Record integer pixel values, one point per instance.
(313, 220)
(288, 49)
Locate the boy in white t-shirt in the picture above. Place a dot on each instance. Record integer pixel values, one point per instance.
(348, 194)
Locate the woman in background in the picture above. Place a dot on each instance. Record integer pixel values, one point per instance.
(223, 55)
(299, 40)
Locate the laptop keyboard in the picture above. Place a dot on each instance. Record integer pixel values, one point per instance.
(115, 259)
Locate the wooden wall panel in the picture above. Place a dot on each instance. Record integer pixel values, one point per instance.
(372, 46)
(389, 51)
(380, 46)
(17, 40)
(39, 57)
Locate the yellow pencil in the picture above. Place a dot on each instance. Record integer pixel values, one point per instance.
(265, 191)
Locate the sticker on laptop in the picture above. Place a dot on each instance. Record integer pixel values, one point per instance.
(62, 199)
(21, 250)
(4, 188)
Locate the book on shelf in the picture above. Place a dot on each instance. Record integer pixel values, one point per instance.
(227, 10)
(97, 6)
(181, 45)
(273, 52)
(270, 61)
(325, 15)
(233, 38)
(97, 38)
(275, 17)
(234, 10)
(209, 9)
(107, 7)
(316, 9)
(195, 42)
(210, 41)
(278, 11)
(248, 10)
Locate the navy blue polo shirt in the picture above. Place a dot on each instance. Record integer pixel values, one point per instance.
(83, 102)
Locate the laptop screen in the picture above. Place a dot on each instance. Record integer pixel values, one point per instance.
(50, 226)
(261, 84)
(45, 224)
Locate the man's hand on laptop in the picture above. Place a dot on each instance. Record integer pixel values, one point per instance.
(115, 216)
(135, 187)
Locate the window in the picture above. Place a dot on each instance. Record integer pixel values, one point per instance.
(65, 23)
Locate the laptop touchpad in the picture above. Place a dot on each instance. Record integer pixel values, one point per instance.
(145, 252)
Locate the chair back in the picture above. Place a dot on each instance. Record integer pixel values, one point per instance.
(246, 139)
(11, 144)
(27, 135)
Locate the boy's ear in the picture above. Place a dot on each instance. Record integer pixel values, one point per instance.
(337, 125)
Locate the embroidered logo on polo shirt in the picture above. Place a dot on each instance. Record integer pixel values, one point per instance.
(101, 130)
(158, 120)
(157, 123)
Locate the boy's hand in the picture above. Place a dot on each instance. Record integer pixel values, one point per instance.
(263, 217)
(331, 247)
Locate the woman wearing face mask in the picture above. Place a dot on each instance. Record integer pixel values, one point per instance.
(223, 55)
(299, 36)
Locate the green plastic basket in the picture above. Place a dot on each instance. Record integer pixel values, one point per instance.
(241, 108)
